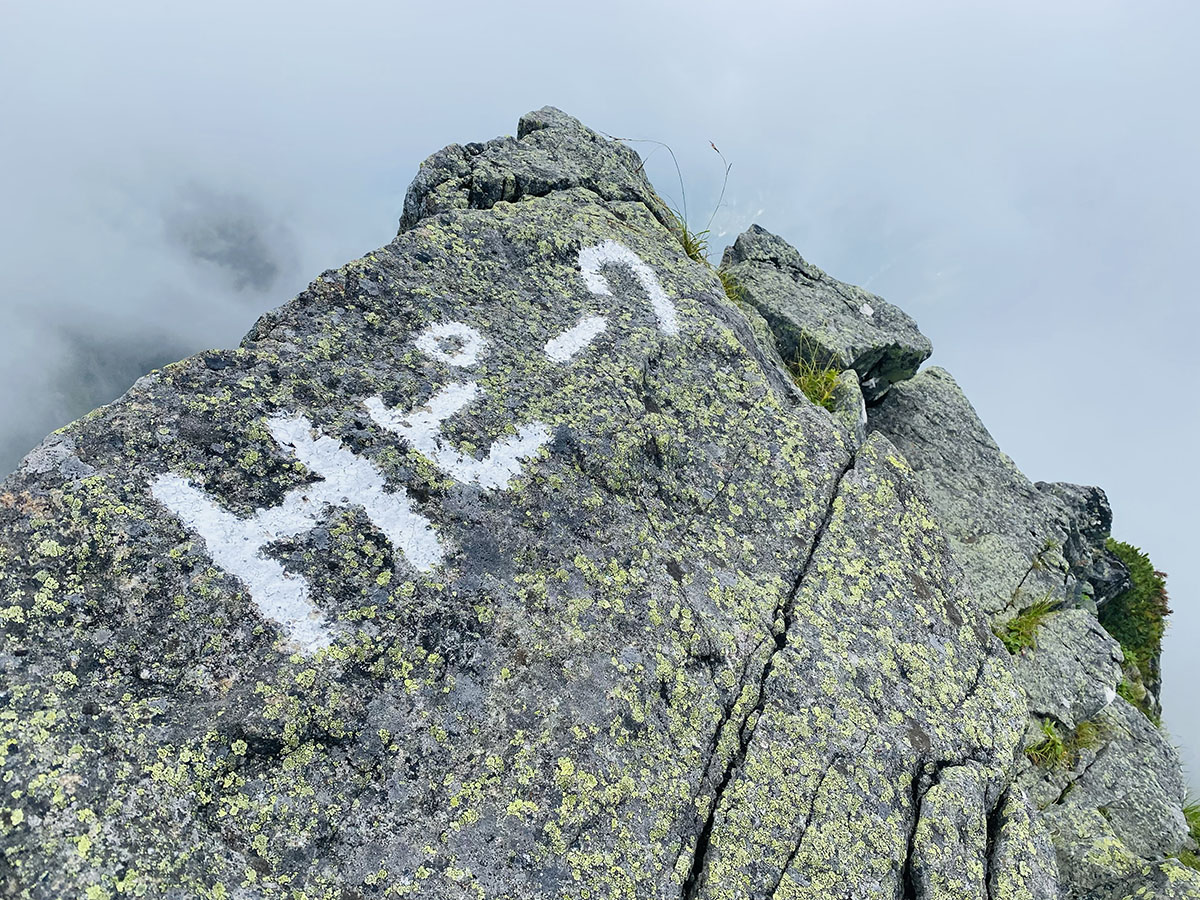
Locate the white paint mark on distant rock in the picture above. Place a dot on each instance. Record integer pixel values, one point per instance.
(612, 253)
(867, 310)
(575, 339)
(455, 343)
(236, 544)
(422, 428)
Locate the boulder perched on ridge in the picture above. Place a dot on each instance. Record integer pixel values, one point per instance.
(823, 320)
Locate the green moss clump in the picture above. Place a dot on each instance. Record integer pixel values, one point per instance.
(819, 383)
(1020, 632)
(1137, 619)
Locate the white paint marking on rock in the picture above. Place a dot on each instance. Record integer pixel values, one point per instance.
(432, 341)
(866, 310)
(576, 338)
(351, 480)
(236, 544)
(612, 253)
(422, 428)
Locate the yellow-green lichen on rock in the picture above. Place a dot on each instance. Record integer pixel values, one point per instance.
(502, 562)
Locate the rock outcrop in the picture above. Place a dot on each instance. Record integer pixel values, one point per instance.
(507, 561)
(1112, 798)
(1017, 541)
(823, 320)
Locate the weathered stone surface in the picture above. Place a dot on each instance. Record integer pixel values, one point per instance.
(1023, 863)
(1112, 803)
(1011, 536)
(1099, 573)
(822, 319)
(859, 764)
(850, 408)
(1132, 783)
(502, 562)
(549, 154)
(1073, 673)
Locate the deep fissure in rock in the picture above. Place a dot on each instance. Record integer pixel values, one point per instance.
(993, 836)
(695, 876)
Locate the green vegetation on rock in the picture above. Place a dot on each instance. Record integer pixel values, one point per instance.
(819, 383)
(695, 247)
(733, 288)
(1051, 750)
(1137, 619)
(1055, 750)
(1020, 632)
(694, 243)
(1191, 812)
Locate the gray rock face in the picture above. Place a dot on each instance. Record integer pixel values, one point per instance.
(1117, 813)
(1017, 542)
(549, 154)
(850, 406)
(502, 562)
(822, 319)
(1074, 672)
(1111, 800)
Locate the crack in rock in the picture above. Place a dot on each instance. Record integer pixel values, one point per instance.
(695, 876)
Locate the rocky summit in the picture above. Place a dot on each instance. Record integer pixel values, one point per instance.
(516, 560)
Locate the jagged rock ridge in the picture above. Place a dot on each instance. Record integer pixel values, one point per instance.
(509, 561)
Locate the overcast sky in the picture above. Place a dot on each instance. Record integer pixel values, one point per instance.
(1022, 178)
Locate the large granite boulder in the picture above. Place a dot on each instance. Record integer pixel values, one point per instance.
(823, 320)
(502, 562)
(1106, 782)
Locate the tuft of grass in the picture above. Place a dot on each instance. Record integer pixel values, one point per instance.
(818, 383)
(1191, 813)
(695, 243)
(1020, 632)
(1131, 691)
(733, 288)
(1138, 618)
(1087, 736)
(1055, 750)
(1051, 750)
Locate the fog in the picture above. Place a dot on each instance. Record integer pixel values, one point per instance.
(1021, 179)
